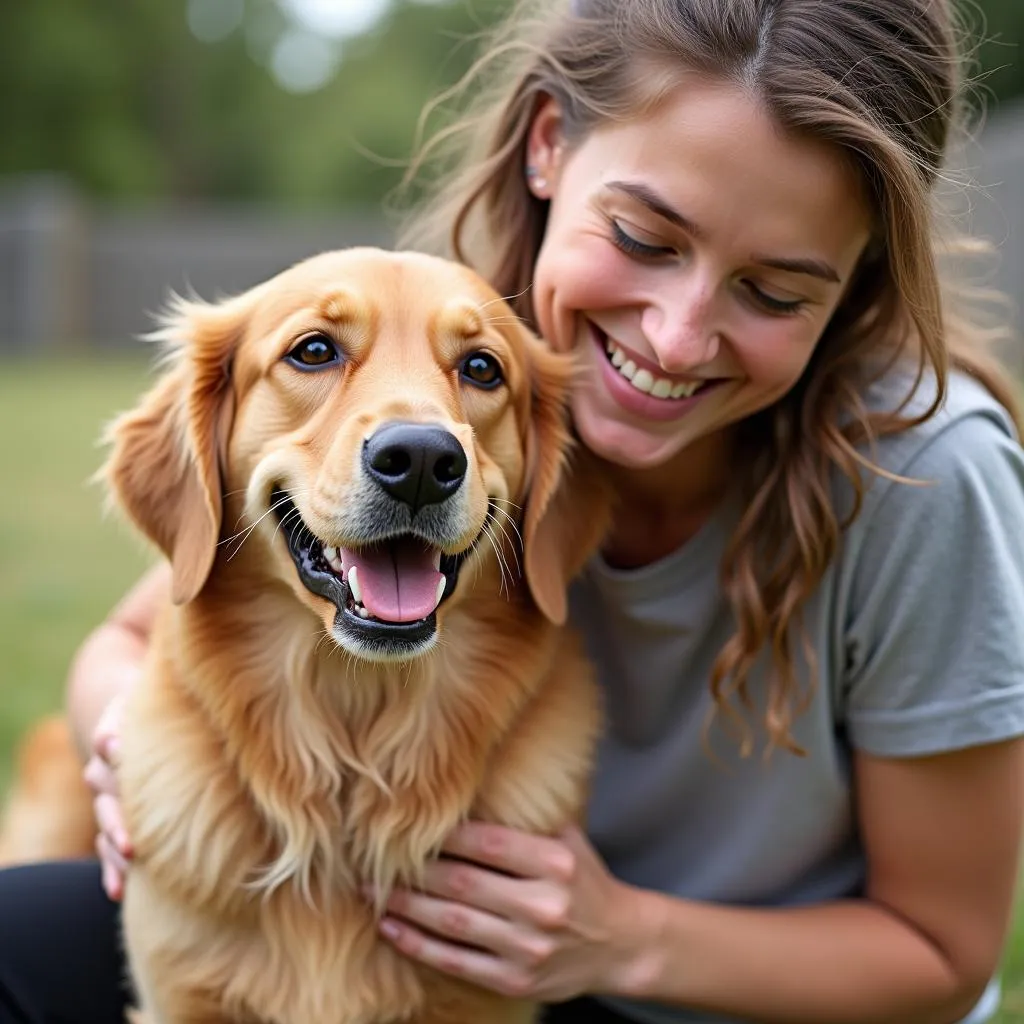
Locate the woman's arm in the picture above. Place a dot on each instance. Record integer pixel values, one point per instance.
(110, 658)
(942, 838)
(105, 667)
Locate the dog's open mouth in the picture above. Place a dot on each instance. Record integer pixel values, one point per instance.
(387, 593)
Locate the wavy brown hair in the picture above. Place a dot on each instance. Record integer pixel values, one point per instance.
(879, 79)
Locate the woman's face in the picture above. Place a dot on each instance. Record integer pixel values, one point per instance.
(693, 258)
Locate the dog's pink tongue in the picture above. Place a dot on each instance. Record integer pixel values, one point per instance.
(397, 580)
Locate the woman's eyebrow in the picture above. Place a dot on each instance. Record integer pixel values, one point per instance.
(800, 265)
(646, 196)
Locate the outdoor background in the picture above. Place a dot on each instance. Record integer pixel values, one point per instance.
(155, 144)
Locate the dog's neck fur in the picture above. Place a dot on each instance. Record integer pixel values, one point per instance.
(349, 740)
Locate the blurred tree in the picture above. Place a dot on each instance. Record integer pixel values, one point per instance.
(125, 100)
(122, 96)
(999, 27)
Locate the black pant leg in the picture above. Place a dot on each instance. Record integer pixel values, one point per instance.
(61, 959)
(583, 1011)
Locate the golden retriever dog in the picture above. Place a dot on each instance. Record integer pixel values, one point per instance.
(338, 465)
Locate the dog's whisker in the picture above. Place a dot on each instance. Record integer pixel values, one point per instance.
(511, 550)
(510, 521)
(489, 534)
(297, 525)
(244, 535)
(503, 322)
(497, 524)
(505, 298)
(506, 501)
(325, 637)
(513, 547)
(504, 585)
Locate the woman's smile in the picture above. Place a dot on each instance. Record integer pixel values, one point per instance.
(642, 387)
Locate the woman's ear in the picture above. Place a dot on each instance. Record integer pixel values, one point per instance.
(545, 146)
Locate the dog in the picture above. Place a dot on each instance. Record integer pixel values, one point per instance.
(338, 465)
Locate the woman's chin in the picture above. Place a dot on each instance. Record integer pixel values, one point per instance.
(623, 445)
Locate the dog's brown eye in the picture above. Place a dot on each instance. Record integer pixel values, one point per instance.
(482, 369)
(314, 351)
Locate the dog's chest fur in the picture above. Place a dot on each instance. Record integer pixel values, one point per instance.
(305, 780)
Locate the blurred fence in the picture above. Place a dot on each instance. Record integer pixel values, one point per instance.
(992, 208)
(78, 273)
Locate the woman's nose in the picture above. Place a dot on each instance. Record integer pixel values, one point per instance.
(680, 327)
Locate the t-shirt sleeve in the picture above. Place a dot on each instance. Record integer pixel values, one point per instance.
(934, 640)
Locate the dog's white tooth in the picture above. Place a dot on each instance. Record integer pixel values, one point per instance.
(437, 560)
(440, 590)
(353, 585)
(330, 553)
(336, 565)
(363, 613)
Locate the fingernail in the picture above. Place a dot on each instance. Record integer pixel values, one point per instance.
(110, 884)
(389, 929)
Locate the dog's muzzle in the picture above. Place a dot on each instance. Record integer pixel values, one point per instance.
(388, 586)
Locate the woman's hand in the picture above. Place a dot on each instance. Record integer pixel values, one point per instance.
(112, 844)
(527, 916)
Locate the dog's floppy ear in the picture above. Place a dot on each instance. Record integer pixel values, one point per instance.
(568, 505)
(164, 468)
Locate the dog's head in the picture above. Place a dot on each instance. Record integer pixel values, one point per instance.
(384, 416)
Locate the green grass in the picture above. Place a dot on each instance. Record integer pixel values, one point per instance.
(63, 564)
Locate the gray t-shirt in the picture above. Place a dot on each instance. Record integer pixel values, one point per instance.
(918, 629)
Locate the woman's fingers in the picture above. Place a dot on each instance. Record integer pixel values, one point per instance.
(106, 736)
(114, 867)
(459, 923)
(113, 847)
(99, 776)
(111, 823)
(471, 965)
(512, 851)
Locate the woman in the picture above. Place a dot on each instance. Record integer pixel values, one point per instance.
(806, 618)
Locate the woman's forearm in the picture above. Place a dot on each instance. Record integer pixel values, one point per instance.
(110, 658)
(838, 963)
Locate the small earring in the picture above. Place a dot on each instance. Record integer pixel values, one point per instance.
(538, 185)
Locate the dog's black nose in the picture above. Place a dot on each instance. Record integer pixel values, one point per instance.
(416, 463)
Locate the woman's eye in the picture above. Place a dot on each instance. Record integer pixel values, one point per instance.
(778, 307)
(482, 369)
(314, 351)
(633, 247)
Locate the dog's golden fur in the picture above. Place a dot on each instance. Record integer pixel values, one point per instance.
(268, 775)
(48, 811)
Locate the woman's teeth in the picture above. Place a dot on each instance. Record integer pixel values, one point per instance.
(645, 381)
